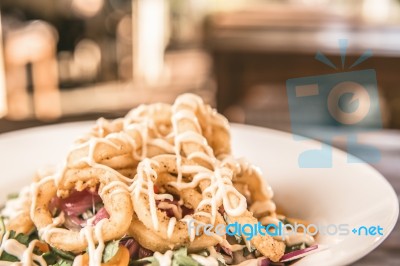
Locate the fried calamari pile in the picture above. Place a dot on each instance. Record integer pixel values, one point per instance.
(139, 181)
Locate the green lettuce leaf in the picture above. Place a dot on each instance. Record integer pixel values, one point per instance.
(69, 256)
(63, 262)
(50, 258)
(179, 258)
(8, 257)
(21, 238)
(110, 250)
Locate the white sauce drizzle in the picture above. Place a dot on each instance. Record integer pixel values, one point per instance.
(175, 209)
(46, 232)
(23, 253)
(28, 257)
(164, 197)
(95, 253)
(162, 144)
(171, 226)
(234, 247)
(78, 261)
(164, 259)
(214, 254)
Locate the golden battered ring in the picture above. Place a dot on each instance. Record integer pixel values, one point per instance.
(117, 202)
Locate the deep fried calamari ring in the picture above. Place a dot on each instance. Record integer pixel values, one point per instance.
(147, 238)
(117, 202)
(248, 179)
(117, 151)
(157, 117)
(149, 173)
(191, 199)
(102, 128)
(18, 213)
(204, 121)
(21, 223)
(152, 241)
(123, 143)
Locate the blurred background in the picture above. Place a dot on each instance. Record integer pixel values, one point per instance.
(70, 60)
(74, 59)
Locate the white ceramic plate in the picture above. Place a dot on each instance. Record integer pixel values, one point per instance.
(353, 194)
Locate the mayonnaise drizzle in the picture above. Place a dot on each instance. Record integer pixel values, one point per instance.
(23, 253)
(46, 232)
(78, 261)
(214, 254)
(171, 226)
(95, 253)
(164, 259)
(28, 257)
(144, 178)
(177, 211)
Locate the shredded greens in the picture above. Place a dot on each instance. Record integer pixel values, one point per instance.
(62, 262)
(63, 254)
(21, 238)
(52, 257)
(110, 250)
(179, 258)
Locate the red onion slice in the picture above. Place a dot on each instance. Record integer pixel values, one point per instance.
(264, 262)
(100, 215)
(298, 253)
(77, 202)
(144, 253)
(228, 251)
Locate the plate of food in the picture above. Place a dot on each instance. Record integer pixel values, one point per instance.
(178, 185)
